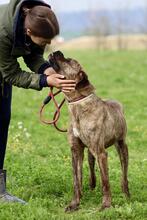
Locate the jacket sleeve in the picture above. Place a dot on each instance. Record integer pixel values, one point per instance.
(11, 71)
(35, 60)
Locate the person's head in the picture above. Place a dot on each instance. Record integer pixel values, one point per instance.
(41, 24)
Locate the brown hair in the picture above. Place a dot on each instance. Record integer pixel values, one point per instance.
(42, 22)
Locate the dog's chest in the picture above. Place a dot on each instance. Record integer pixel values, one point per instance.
(75, 121)
(81, 132)
(76, 126)
(76, 132)
(80, 127)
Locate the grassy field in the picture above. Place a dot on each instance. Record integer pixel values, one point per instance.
(38, 158)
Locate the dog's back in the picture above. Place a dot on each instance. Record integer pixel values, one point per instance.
(115, 125)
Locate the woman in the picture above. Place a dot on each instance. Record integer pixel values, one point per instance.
(26, 26)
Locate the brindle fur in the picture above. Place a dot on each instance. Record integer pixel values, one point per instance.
(95, 124)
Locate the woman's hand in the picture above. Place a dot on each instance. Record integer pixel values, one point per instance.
(49, 71)
(58, 81)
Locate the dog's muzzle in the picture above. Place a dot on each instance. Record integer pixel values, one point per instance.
(57, 55)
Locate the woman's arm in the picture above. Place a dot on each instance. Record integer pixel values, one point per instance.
(11, 71)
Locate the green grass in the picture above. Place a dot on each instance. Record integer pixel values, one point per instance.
(38, 158)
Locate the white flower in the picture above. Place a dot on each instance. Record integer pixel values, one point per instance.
(20, 126)
(19, 123)
(27, 134)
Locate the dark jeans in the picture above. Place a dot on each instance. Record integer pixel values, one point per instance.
(5, 115)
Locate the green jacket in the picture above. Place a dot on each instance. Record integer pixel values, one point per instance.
(13, 44)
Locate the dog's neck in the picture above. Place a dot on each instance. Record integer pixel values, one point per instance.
(80, 92)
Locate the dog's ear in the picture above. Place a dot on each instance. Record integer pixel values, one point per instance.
(84, 86)
(83, 82)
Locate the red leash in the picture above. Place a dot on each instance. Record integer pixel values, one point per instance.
(51, 96)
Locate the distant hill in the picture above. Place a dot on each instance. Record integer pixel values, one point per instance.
(111, 42)
(75, 24)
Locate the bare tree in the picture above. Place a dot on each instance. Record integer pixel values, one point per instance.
(143, 27)
(122, 43)
(120, 30)
(100, 27)
(102, 30)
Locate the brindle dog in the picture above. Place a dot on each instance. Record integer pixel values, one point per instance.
(95, 124)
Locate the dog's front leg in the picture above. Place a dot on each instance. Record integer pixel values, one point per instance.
(77, 161)
(103, 165)
(92, 177)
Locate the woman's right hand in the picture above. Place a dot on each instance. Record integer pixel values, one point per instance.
(59, 81)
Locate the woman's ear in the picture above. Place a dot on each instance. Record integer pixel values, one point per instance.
(28, 32)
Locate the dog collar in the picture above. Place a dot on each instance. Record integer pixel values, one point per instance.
(80, 100)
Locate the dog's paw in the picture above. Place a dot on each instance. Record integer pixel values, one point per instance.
(127, 194)
(125, 190)
(106, 203)
(72, 207)
(104, 207)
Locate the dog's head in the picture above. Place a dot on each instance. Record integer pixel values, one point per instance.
(70, 68)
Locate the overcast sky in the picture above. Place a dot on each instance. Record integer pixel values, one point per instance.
(76, 5)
